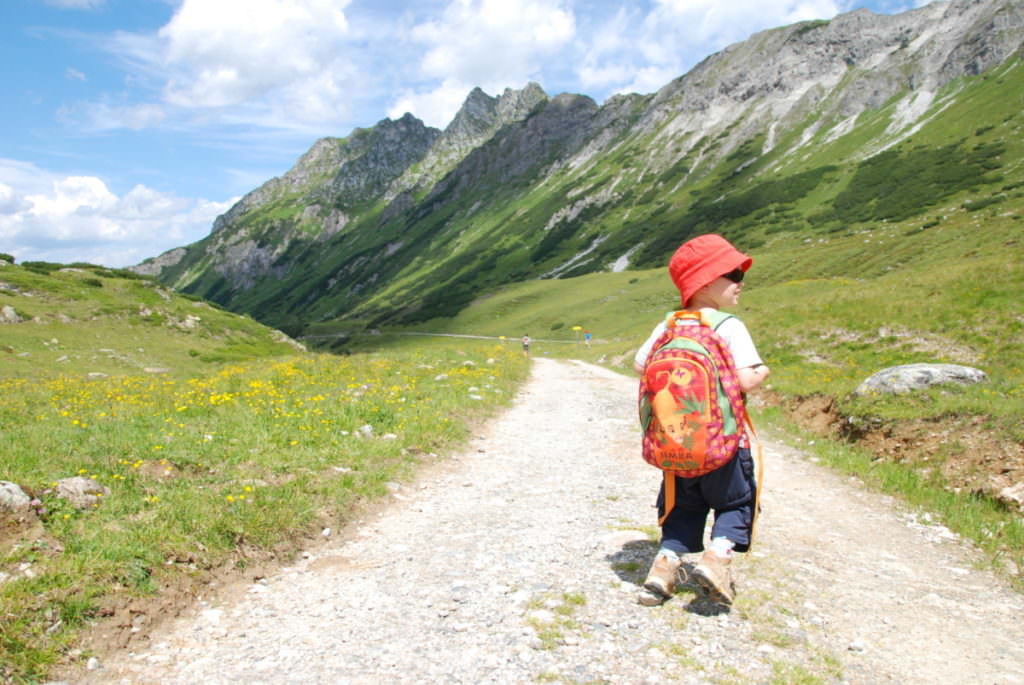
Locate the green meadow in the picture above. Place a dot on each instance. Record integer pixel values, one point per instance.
(216, 447)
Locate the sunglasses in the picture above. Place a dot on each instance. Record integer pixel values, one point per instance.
(736, 275)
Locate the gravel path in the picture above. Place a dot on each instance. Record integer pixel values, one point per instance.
(518, 560)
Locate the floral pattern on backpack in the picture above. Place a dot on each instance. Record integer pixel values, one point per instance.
(692, 409)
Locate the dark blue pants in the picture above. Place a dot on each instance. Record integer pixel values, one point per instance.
(729, 491)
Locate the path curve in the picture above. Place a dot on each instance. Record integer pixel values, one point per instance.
(518, 560)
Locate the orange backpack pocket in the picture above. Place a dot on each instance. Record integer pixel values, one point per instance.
(681, 391)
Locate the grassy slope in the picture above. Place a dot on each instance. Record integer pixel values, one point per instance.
(950, 293)
(486, 230)
(78, 321)
(967, 123)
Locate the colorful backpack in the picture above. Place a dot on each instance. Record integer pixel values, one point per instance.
(692, 409)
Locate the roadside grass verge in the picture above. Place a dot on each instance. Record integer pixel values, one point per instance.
(996, 531)
(212, 471)
(825, 335)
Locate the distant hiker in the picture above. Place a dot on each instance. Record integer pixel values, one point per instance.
(526, 344)
(586, 338)
(708, 271)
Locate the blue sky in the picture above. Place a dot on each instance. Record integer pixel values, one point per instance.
(127, 126)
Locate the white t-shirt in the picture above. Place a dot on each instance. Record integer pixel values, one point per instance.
(732, 330)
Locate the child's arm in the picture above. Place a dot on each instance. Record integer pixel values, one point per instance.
(640, 359)
(752, 376)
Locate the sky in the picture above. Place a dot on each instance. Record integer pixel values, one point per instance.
(128, 126)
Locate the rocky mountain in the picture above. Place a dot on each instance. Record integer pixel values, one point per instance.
(799, 128)
(479, 118)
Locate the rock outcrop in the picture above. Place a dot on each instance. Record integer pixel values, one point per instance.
(913, 377)
(9, 315)
(12, 497)
(81, 492)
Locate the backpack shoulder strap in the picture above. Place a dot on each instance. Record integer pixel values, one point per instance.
(713, 320)
(717, 318)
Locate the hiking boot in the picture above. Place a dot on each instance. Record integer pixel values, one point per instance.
(714, 575)
(649, 599)
(661, 581)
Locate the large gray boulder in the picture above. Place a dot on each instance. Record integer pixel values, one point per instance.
(12, 497)
(913, 377)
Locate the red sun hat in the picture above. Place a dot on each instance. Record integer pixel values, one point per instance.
(701, 260)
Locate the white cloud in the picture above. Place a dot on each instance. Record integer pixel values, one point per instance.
(493, 44)
(48, 217)
(604, 43)
(74, 74)
(267, 64)
(477, 41)
(710, 22)
(10, 201)
(231, 51)
(650, 79)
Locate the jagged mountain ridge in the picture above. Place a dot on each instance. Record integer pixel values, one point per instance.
(477, 120)
(402, 222)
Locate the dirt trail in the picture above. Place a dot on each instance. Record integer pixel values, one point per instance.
(518, 560)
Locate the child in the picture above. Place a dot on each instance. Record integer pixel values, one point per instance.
(708, 271)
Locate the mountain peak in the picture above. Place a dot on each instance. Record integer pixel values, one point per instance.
(482, 114)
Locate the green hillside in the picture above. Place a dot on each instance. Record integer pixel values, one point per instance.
(82, 318)
(964, 157)
(811, 131)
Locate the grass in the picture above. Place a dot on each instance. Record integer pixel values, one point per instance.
(679, 654)
(794, 674)
(212, 466)
(486, 225)
(996, 531)
(864, 302)
(551, 615)
(123, 326)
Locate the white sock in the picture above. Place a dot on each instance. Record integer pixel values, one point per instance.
(722, 546)
(666, 552)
